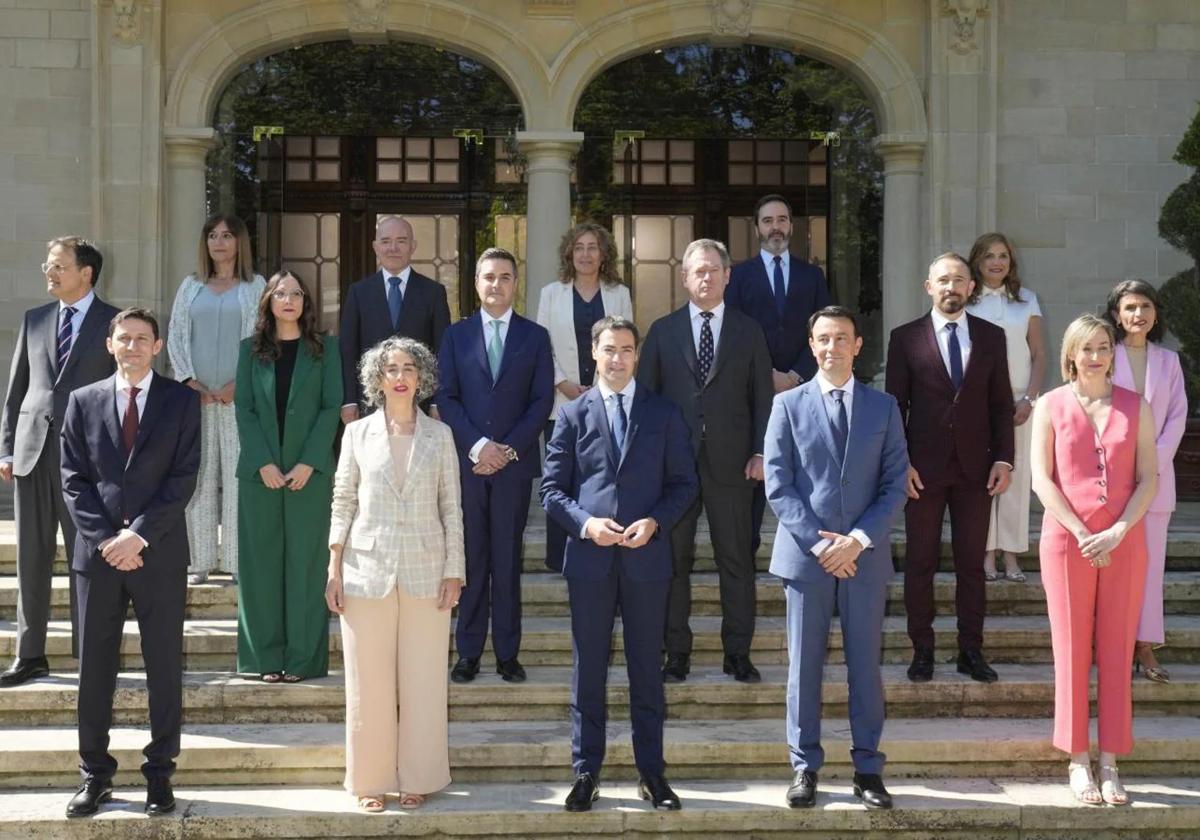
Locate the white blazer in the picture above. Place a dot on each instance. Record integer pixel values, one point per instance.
(179, 330)
(409, 536)
(556, 312)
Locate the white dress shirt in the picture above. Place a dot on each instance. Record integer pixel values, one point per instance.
(943, 336)
(403, 275)
(785, 262)
(122, 389)
(488, 329)
(81, 308)
(714, 323)
(847, 400)
(609, 396)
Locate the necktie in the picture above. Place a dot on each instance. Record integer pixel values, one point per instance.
(841, 423)
(780, 292)
(619, 425)
(129, 423)
(707, 350)
(495, 349)
(956, 370)
(395, 299)
(64, 336)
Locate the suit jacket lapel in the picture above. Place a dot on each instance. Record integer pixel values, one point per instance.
(932, 350)
(149, 416)
(1153, 366)
(304, 367)
(91, 324)
(381, 450)
(517, 333)
(599, 417)
(112, 420)
(376, 302)
(818, 417)
(422, 446)
(50, 332)
(730, 330)
(640, 395)
(682, 326)
(480, 346)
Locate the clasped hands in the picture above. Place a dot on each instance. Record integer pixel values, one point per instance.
(223, 395)
(604, 531)
(294, 479)
(493, 457)
(1097, 548)
(840, 557)
(124, 551)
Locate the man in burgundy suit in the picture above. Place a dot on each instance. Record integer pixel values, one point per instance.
(949, 372)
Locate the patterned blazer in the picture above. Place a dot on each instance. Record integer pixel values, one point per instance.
(409, 536)
(179, 330)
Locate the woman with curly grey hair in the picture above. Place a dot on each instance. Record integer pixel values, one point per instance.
(396, 568)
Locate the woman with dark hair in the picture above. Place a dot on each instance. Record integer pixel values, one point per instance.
(289, 387)
(214, 310)
(588, 289)
(396, 568)
(999, 297)
(1142, 364)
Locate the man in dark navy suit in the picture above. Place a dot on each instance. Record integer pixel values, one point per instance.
(130, 454)
(495, 390)
(395, 300)
(619, 475)
(780, 292)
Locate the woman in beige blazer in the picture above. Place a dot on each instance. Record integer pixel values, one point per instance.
(396, 567)
(587, 290)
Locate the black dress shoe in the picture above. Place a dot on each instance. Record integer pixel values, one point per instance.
(742, 669)
(23, 670)
(921, 669)
(658, 793)
(972, 663)
(584, 792)
(677, 667)
(803, 791)
(87, 800)
(510, 670)
(160, 799)
(869, 788)
(464, 670)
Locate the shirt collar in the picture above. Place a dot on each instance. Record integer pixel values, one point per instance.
(826, 386)
(769, 259)
(403, 275)
(717, 311)
(940, 320)
(606, 392)
(142, 386)
(988, 291)
(80, 306)
(487, 319)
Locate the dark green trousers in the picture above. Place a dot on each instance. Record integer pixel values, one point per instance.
(283, 622)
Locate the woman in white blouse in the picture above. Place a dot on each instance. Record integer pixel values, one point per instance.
(214, 309)
(588, 289)
(396, 568)
(999, 297)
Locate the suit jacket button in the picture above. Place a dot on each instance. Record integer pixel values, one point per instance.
(845, 483)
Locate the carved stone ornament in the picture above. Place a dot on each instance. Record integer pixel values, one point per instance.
(366, 14)
(127, 22)
(965, 13)
(732, 17)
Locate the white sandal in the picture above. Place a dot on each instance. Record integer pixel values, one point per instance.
(1111, 789)
(1083, 785)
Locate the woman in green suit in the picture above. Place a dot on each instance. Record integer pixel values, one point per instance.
(289, 392)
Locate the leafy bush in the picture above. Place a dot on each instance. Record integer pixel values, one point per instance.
(1180, 298)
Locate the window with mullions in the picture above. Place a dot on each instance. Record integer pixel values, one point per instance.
(417, 160)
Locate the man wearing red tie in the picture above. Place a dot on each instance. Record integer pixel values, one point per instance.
(130, 454)
(948, 371)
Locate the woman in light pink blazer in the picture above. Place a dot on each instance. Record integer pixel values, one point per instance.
(1143, 365)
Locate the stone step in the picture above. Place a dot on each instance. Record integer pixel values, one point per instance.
(1026, 691)
(545, 594)
(210, 644)
(943, 808)
(525, 751)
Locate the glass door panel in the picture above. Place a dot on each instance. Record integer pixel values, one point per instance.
(310, 248)
(437, 254)
(658, 244)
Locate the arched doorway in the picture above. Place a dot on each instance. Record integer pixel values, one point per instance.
(680, 143)
(315, 143)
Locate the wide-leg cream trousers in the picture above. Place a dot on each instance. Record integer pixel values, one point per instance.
(216, 497)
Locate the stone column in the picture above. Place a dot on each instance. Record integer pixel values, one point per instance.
(902, 261)
(186, 205)
(548, 205)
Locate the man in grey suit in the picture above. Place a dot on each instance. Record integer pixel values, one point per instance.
(836, 468)
(60, 348)
(712, 361)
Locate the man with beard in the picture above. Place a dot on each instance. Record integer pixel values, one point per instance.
(781, 292)
(948, 371)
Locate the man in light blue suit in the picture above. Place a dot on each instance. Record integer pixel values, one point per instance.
(835, 463)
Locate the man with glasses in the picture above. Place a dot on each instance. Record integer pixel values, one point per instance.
(60, 347)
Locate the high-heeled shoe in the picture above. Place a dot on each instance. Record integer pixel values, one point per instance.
(1083, 784)
(1156, 674)
(1111, 789)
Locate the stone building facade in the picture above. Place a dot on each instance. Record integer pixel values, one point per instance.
(1051, 120)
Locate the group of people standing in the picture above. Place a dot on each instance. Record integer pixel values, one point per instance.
(743, 397)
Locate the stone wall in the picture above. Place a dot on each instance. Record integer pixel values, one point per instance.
(1094, 96)
(45, 145)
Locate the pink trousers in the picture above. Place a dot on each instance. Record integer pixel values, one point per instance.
(1150, 627)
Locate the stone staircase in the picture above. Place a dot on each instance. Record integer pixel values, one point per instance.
(964, 759)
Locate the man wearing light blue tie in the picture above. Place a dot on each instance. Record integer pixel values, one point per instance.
(835, 463)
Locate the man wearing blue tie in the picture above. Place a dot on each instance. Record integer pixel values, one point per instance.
(619, 474)
(836, 462)
(495, 390)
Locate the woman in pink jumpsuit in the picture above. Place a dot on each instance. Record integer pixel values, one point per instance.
(1094, 469)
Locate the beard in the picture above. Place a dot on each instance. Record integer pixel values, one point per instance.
(952, 305)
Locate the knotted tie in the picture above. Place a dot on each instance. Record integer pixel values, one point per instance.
(956, 366)
(619, 425)
(395, 298)
(129, 423)
(495, 349)
(841, 423)
(65, 334)
(707, 350)
(780, 292)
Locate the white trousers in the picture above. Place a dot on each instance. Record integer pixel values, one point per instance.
(215, 501)
(1009, 526)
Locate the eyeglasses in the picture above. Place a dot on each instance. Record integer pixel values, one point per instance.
(284, 297)
(53, 268)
